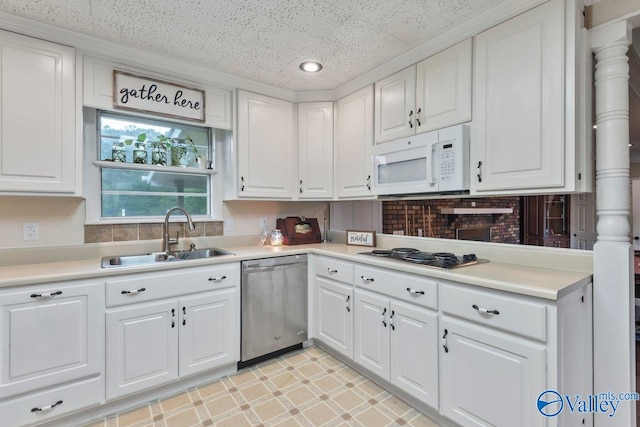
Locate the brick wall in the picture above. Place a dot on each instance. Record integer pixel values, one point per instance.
(411, 215)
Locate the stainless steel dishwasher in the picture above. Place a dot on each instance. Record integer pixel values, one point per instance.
(274, 306)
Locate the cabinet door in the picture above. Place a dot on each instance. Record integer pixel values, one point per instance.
(266, 150)
(209, 331)
(335, 316)
(371, 349)
(315, 150)
(443, 88)
(37, 110)
(395, 106)
(489, 378)
(354, 145)
(414, 351)
(518, 132)
(142, 347)
(51, 334)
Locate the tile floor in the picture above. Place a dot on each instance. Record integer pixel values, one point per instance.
(303, 388)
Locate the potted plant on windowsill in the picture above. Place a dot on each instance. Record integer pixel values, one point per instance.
(159, 150)
(184, 152)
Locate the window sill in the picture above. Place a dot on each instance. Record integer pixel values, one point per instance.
(153, 168)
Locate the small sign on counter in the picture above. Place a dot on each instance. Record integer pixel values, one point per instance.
(361, 238)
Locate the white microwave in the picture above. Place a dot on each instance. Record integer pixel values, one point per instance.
(432, 162)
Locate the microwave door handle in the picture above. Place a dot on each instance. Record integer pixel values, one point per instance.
(431, 179)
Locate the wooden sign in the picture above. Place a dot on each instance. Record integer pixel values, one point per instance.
(146, 95)
(361, 238)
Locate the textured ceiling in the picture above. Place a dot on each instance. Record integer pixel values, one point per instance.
(262, 40)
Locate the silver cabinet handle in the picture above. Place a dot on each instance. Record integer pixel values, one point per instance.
(485, 310)
(332, 270)
(300, 186)
(184, 316)
(418, 117)
(217, 279)
(47, 408)
(444, 341)
(242, 183)
(414, 292)
(393, 327)
(384, 318)
(479, 174)
(369, 182)
(346, 304)
(133, 291)
(410, 118)
(46, 294)
(367, 279)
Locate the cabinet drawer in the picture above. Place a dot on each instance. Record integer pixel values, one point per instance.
(165, 284)
(72, 397)
(334, 269)
(512, 314)
(412, 288)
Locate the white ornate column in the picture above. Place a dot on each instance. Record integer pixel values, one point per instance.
(614, 352)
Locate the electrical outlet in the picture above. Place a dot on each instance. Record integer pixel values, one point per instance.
(30, 231)
(228, 224)
(263, 222)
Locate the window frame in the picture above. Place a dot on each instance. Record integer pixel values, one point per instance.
(93, 165)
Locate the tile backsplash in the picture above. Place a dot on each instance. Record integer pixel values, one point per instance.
(104, 233)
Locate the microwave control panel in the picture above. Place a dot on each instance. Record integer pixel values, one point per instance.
(452, 172)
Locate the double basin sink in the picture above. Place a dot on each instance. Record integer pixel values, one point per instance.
(161, 257)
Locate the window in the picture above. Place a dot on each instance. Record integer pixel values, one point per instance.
(148, 166)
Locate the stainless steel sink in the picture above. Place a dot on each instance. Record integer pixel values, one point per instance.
(200, 253)
(133, 260)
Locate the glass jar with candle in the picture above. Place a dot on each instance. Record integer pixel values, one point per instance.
(277, 239)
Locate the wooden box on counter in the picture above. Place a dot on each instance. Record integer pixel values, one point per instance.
(299, 230)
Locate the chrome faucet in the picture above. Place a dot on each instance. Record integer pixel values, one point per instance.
(167, 242)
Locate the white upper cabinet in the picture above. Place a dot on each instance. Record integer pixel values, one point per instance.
(526, 133)
(315, 150)
(354, 145)
(443, 88)
(98, 91)
(395, 105)
(266, 147)
(38, 152)
(430, 95)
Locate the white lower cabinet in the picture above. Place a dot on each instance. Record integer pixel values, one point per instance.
(193, 327)
(51, 334)
(500, 351)
(334, 300)
(488, 378)
(394, 339)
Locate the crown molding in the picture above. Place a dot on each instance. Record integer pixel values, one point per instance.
(116, 52)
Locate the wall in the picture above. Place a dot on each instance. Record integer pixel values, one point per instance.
(410, 216)
(61, 220)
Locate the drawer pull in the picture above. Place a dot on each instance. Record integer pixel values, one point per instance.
(217, 279)
(332, 270)
(46, 294)
(133, 291)
(414, 292)
(484, 310)
(367, 279)
(48, 407)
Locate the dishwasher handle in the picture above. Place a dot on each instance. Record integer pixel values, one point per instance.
(257, 267)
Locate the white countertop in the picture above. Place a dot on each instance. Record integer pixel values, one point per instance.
(534, 281)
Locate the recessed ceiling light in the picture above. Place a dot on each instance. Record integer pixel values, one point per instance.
(311, 66)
